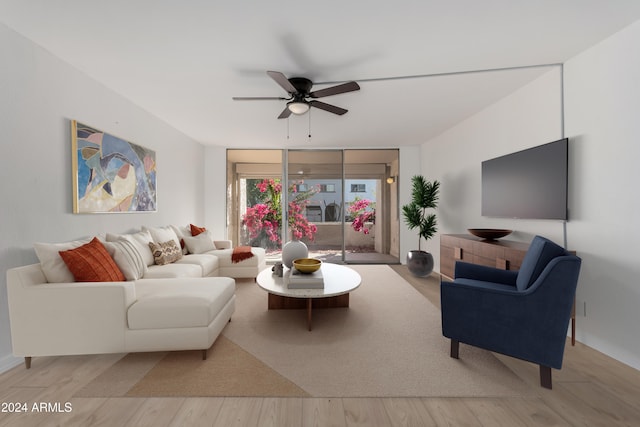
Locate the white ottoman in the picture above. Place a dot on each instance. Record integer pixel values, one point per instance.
(179, 314)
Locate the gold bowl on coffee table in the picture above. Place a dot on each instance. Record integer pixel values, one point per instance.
(307, 265)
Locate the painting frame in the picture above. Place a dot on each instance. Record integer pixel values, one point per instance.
(110, 174)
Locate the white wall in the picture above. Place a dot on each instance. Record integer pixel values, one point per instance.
(602, 101)
(409, 166)
(215, 191)
(39, 94)
(603, 104)
(530, 116)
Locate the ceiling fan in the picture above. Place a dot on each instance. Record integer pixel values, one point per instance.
(299, 90)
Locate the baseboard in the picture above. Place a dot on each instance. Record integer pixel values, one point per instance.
(8, 362)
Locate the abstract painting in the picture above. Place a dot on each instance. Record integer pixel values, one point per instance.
(111, 174)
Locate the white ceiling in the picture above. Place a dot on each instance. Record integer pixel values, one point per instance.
(184, 60)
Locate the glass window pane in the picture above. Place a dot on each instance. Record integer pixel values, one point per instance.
(254, 208)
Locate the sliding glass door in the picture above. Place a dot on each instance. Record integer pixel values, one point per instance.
(315, 200)
(342, 203)
(254, 199)
(371, 206)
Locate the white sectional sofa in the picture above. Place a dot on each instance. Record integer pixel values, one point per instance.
(51, 319)
(214, 257)
(180, 305)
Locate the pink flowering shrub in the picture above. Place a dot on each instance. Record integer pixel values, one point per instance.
(266, 217)
(362, 211)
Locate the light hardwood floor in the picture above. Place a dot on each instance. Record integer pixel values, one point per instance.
(591, 390)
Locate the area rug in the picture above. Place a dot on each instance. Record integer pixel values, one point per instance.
(388, 343)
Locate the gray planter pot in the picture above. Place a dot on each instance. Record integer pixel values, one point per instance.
(420, 263)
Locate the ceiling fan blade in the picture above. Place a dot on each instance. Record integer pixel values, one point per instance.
(335, 90)
(328, 107)
(282, 80)
(259, 98)
(285, 113)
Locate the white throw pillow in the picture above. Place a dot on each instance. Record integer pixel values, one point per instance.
(128, 259)
(162, 234)
(199, 244)
(182, 232)
(140, 241)
(52, 264)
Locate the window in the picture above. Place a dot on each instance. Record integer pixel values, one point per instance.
(332, 180)
(327, 188)
(358, 188)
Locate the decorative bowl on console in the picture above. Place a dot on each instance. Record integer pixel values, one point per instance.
(489, 233)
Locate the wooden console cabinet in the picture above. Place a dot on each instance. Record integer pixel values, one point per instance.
(504, 254)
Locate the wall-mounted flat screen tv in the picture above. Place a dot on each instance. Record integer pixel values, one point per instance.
(528, 184)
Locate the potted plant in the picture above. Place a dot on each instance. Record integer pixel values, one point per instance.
(424, 195)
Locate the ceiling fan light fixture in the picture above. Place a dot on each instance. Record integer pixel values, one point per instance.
(298, 107)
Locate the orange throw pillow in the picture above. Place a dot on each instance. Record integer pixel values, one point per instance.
(195, 230)
(92, 263)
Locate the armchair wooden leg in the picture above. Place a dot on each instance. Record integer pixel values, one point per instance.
(455, 346)
(204, 354)
(27, 362)
(545, 377)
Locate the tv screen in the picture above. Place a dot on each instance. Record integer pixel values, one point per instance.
(528, 184)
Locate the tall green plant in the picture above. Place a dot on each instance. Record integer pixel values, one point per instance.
(424, 195)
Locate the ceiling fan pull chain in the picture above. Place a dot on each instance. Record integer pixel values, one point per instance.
(287, 127)
(309, 124)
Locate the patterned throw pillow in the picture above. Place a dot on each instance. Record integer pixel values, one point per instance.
(92, 263)
(165, 252)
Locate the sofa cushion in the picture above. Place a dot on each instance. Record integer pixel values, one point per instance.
(165, 252)
(540, 252)
(208, 263)
(173, 270)
(92, 263)
(140, 240)
(53, 267)
(199, 244)
(179, 304)
(127, 258)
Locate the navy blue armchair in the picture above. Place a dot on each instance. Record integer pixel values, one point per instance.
(523, 314)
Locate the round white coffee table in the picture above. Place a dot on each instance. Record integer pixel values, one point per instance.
(338, 282)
